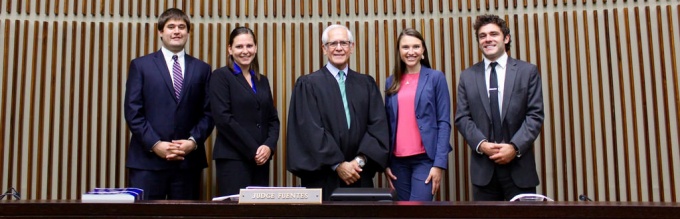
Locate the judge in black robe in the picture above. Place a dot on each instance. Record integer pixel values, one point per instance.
(319, 140)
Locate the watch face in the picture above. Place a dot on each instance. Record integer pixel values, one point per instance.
(360, 162)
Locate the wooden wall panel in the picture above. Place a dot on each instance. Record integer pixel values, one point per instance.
(609, 72)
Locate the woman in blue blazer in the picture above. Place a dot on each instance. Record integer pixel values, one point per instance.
(245, 117)
(418, 110)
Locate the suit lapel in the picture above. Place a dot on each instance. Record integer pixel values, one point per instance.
(422, 81)
(481, 87)
(244, 83)
(162, 66)
(395, 102)
(188, 76)
(510, 75)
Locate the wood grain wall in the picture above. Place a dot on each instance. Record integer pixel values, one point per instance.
(609, 71)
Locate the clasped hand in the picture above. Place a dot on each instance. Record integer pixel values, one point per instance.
(499, 153)
(175, 150)
(349, 172)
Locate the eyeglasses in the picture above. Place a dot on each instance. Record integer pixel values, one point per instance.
(343, 44)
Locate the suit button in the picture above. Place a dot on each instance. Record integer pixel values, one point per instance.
(417, 117)
(420, 127)
(258, 125)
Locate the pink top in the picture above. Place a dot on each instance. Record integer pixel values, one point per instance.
(408, 140)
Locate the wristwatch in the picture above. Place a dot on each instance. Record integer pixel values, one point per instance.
(360, 161)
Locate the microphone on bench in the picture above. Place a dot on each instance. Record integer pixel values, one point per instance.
(583, 197)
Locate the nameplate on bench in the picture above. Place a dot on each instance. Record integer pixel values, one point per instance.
(279, 195)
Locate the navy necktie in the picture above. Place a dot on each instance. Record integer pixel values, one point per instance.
(495, 107)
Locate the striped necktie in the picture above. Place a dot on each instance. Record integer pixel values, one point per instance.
(178, 79)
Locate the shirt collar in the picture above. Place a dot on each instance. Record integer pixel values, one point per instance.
(502, 61)
(168, 54)
(334, 71)
(237, 70)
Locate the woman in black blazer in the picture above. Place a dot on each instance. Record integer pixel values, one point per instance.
(245, 117)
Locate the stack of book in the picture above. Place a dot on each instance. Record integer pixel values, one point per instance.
(113, 195)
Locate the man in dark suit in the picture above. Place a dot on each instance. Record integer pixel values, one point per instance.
(337, 128)
(500, 114)
(167, 111)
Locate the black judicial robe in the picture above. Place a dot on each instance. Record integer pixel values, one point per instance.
(318, 137)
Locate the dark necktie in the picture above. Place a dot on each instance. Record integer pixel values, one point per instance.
(178, 79)
(495, 107)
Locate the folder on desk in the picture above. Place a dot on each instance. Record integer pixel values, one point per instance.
(113, 195)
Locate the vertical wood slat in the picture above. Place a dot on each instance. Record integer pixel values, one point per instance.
(633, 103)
(70, 142)
(98, 135)
(87, 101)
(3, 101)
(366, 40)
(356, 7)
(433, 52)
(41, 109)
(560, 100)
(604, 145)
(542, 158)
(62, 100)
(644, 103)
(338, 9)
(622, 98)
(633, 112)
(674, 70)
(228, 4)
(20, 122)
(386, 38)
(456, 164)
(550, 110)
(80, 143)
(612, 114)
(593, 142)
(110, 111)
(12, 111)
(570, 112)
(655, 104)
(581, 122)
(357, 46)
(667, 129)
(201, 10)
(238, 8)
(130, 53)
(469, 46)
(582, 139)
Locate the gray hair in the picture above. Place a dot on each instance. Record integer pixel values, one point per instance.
(324, 36)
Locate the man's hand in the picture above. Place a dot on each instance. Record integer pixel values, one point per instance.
(169, 151)
(505, 154)
(262, 154)
(435, 177)
(349, 172)
(390, 176)
(488, 148)
(186, 145)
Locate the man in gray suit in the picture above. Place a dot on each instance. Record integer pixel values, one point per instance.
(500, 114)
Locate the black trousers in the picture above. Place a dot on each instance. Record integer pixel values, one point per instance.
(174, 184)
(501, 187)
(233, 175)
